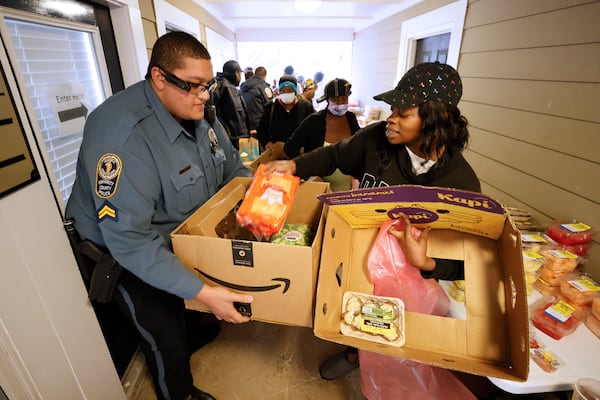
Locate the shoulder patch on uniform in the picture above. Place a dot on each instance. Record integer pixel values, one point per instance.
(107, 211)
(268, 92)
(107, 175)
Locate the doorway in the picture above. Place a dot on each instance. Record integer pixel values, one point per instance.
(65, 66)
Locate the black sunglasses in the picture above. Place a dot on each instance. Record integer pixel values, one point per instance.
(188, 86)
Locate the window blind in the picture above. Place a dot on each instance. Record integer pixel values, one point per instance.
(59, 70)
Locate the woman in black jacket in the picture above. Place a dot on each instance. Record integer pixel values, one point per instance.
(283, 115)
(420, 143)
(326, 127)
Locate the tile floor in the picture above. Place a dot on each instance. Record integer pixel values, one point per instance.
(268, 362)
(259, 361)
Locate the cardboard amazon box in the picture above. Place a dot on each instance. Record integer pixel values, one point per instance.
(493, 340)
(282, 278)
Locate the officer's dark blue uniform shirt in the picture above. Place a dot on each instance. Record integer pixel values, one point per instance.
(139, 175)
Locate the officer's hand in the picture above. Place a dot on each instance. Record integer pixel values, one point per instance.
(283, 166)
(220, 301)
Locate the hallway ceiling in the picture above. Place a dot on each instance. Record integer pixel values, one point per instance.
(342, 15)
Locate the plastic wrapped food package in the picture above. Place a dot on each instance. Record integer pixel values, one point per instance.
(596, 307)
(530, 278)
(545, 359)
(537, 241)
(544, 287)
(555, 317)
(560, 260)
(532, 261)
(593, 324)
(374, 318)
(579, 289)
(268, 202)
(294, 234)
(570, 233)
(552, 277)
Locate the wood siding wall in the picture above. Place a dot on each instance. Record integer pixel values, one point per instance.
(531, 76)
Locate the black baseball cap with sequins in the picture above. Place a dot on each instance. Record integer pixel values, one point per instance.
(425, 82)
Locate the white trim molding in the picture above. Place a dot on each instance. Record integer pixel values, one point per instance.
(447, 19)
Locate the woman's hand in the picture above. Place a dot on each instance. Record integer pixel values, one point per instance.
(414, 247)
(283, 166)
(220, 301)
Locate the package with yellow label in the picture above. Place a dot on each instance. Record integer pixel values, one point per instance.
(375, 318)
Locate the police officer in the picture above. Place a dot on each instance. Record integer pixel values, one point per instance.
(149, 159)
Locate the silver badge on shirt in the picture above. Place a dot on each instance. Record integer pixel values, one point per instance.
(214, 142)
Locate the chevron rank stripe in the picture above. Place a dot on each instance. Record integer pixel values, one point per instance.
(107, 211)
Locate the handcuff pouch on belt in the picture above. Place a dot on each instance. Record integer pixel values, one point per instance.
(105, 274)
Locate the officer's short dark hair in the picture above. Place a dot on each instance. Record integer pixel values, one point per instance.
(171, 48)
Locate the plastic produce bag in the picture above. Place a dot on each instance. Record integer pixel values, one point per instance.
(267, 203)
(393, 276)
(385, 377)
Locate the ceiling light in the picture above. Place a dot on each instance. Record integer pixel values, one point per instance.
(307, 6)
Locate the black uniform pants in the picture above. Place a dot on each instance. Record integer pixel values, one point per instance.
(159, 317)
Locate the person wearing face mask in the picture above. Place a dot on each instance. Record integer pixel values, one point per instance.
(326, 127)
(420, 143)
(308, 90)
(283, 115)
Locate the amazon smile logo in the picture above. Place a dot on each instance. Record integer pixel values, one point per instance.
(281, 282)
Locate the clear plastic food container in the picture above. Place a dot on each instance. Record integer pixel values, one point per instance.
(570, 233)
(561, 260)
(555, 317)
(593, 324)
(545, 288)
(579, 289)
(552, 277)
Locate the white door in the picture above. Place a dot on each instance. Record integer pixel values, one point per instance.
(51, 345)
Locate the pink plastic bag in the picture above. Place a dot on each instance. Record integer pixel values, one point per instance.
(393, 276)
(384, 377)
